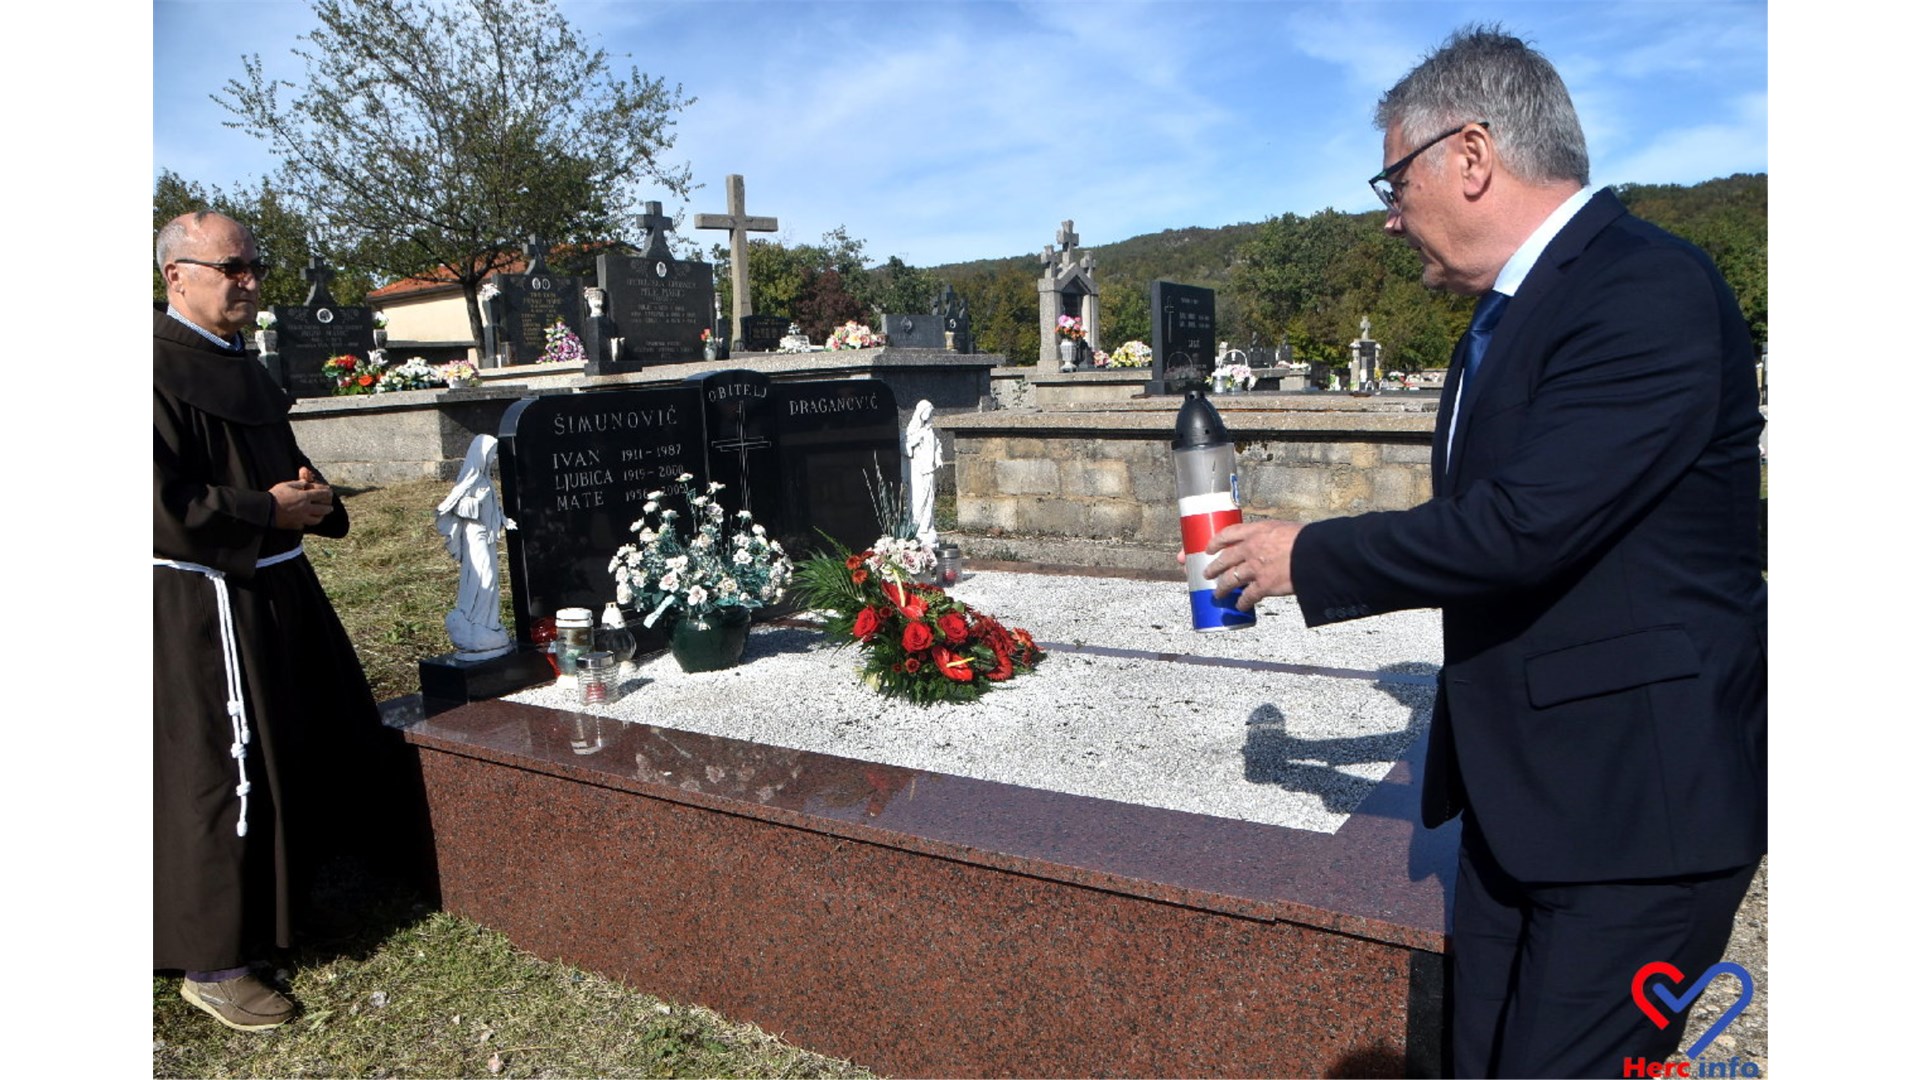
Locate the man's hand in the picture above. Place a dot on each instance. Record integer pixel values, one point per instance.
(299, 504)
(1255, 557)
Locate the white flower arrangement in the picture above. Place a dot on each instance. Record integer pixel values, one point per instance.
(718, 567)
(1242, 375)
(902, 559)
(488, 291)
(456, 369)
(265, 320)
(413, 374)
(1132, 354)
(379, 320)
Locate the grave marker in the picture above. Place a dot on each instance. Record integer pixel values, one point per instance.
(529, 303)
(762, 333)
(737, 224)
(317, 330)
(914, 331)
(954, 318)
(575, 470)
(657, 304)
(1183, 336)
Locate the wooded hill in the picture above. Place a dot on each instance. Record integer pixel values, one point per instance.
(1312, 278)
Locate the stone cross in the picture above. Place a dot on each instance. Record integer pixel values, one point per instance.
(738, 224)
(318, 275)
(1068, 240)
(658, 225)
(536, 251)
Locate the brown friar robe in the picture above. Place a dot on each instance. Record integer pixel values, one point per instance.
(221, 439)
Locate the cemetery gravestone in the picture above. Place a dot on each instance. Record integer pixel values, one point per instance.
(762, 333)
(658, 306)
(738, 224)
(1183, 336)
(316, 331)
(530, 302)
(914, 331)
(575, 470)
(952, 310)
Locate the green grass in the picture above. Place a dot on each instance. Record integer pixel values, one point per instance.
(408, 991)
(422, 993)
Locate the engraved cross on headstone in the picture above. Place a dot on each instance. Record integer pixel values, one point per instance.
(738, 224)
(318, 275)
(658, 225)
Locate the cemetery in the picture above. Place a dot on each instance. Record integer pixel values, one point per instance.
(1161, 853)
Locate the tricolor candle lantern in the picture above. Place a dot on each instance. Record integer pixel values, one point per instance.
(1209, 491)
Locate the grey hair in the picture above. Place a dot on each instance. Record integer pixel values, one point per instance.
(1483, 74)
(174, 232)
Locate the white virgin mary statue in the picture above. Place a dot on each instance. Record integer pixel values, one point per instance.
(923, 456)
(471, 519)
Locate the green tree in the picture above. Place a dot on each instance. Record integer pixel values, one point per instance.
(899, 289)
(1005, 308)
(439, 134)
(280, 231)
(1124, 314)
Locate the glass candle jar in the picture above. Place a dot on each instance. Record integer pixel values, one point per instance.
(598, 682)
(575, 637)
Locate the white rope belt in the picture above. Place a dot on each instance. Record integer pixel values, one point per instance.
(230, 649)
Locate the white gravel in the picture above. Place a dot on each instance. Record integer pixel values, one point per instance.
(1278, 747)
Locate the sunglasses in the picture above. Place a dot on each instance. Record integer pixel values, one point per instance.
(235, 268)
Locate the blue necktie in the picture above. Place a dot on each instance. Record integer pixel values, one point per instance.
(1486, 315)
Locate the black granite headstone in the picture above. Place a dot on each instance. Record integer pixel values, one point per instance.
(1183, 336)
(310, 336)
(575, 470)
(952, 310)
(740, 447)
(914, 331)
(835, 440)
(658, 305)
(530, 302)
(762, 333)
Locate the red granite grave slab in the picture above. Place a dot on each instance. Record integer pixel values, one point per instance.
(930, 925)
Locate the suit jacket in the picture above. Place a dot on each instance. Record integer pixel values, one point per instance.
(1594, 551)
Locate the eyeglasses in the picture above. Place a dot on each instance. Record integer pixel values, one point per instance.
(1387, 189)
(233, 268)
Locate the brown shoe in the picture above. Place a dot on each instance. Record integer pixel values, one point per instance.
(243, 1003)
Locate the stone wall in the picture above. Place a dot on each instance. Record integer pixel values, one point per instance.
(1107, 474)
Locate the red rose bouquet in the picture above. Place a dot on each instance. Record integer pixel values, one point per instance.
(919, 643)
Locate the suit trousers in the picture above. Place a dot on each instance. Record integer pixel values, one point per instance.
(1540, 983)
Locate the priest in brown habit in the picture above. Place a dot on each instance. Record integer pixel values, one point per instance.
(262, 719)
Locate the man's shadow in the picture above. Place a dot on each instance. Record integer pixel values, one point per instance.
(1271, 755)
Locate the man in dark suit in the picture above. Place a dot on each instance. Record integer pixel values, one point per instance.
(1593, 545)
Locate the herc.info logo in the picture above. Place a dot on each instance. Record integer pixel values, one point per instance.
(1676, 1003)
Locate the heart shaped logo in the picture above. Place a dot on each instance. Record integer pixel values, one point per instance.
(1678, 1003)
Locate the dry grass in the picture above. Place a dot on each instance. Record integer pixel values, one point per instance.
(412, 992)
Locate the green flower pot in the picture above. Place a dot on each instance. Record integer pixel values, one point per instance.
(711, 645)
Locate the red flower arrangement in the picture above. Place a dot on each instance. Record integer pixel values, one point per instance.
(920, 643)
(351, 374)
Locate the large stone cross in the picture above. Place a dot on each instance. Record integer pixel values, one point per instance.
(737, 223)
(318, 275)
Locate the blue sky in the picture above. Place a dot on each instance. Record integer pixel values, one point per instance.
(952, 131)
